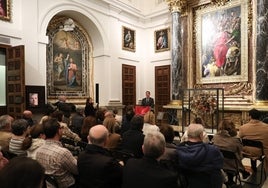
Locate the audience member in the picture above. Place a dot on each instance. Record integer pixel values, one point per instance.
(149, 123)
(129, 113)
(22, 172)
(77, 121)
(200, 162)
(3, 160)
(49, 109)
(226, 139)
(88, 122)
(67, 132)
(117, 117)
(255, 129)
(28, 116)
(57, 160)
(147, 172)
(100, 115)
(114, 138)
(34, 140)
(90, 110)
(132, 139)
(20, 130)
(196, 120)
(96, 166)
(5, 131)
(148, 100)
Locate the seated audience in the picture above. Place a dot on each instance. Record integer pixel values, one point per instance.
(255, 129)
(100, 115)
(132, 139)
(22, 172)
(125, 126)
(149, 123)
(196, 120)
(49, 109)
(88, 122)
(114, 138)
(5, 131)
(34, 140)
(147, 172)
(226, 139)
(67, 132)
(57, 160)
(117, 117)
(20, 130)
(96, 166)
(90, 110)
(200, 162)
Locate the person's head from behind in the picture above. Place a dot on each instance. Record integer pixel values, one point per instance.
(137, 122)
(198, 120)
(59, 115)
(19, 127)
(254, 114)
(110, 123)
(168, 132)
(154, 145)
(36, 131)
(98, 135)
(229, 126)
(22, 172)
(195, 132)
(5, 122)
(149, 117)
(52, 128)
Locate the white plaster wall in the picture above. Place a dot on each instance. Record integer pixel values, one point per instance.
(104, 24)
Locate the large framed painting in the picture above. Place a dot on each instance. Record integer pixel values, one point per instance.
(128, 39)
(5, 10)
(162, 40)
(69, 62)
(221, 34)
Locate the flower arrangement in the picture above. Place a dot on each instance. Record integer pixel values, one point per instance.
(202, 104)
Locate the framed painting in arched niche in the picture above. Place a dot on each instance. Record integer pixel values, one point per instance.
(69, 61)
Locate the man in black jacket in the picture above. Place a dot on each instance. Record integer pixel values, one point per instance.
(96, 166)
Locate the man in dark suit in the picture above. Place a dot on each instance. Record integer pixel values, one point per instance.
(147, 172)
(96, 166)
(148, 101)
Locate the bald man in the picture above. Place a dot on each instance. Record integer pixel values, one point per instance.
(96, 166)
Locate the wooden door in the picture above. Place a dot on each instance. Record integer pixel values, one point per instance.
(15, 81)
(162, 87)
(129, 84)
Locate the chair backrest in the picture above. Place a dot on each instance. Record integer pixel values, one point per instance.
(228, 154)
(253, 143)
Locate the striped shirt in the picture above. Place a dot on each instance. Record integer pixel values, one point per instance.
(15, 145)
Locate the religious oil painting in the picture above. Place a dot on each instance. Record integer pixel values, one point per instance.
(221, 43)
(68, 59)
(161, 40)
(128, 39)
(5, 10)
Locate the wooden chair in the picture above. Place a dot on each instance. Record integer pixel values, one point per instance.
(232, 156)
(261, 158)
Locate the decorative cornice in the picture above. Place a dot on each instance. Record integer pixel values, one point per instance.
(177, 5)
(219, 2)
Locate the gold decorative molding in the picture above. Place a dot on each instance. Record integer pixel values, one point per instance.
(177, 5)
(240, 88)
(220, 2)
(261, 103)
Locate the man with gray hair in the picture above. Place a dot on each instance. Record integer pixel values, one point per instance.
(147, 172)
(96, 166)
(5, 131)
(200, 162)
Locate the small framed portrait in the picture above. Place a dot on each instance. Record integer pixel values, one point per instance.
(162, 40)
(128, 39)
(5, 10)
(35, 97)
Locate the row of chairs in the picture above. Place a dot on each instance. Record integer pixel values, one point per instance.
(261, 158)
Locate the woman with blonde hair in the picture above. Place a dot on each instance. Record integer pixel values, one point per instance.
(149, 123)
(114, 138)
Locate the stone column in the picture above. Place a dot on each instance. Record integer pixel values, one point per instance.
(262, 53)
(176, 7)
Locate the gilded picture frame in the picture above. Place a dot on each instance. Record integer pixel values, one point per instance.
(5, 10)
(221, 34)
(128, 39)
(162, 40)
